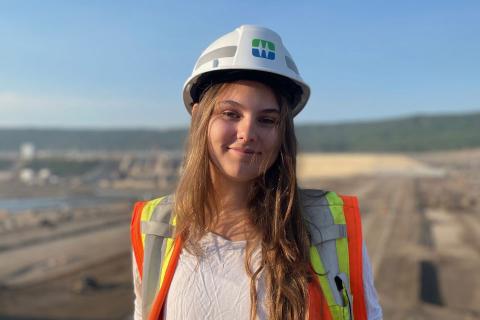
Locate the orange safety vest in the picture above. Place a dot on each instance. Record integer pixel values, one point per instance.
(335, 254)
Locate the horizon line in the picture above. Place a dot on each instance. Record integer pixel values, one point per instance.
(298, 124)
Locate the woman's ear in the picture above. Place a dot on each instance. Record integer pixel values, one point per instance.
(194, 107)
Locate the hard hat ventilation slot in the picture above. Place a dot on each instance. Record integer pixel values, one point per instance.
(224, 52)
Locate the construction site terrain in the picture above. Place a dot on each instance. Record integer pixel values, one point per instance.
(421, 224)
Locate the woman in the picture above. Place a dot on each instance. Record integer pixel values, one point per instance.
(239, 240)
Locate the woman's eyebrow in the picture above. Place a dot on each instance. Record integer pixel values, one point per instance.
(270, 110)
(235, 103)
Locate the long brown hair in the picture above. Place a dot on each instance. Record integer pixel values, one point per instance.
(273, 205)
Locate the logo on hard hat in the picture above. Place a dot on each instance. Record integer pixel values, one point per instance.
(263, 49)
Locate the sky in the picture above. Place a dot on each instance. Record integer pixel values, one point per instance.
(122, 64)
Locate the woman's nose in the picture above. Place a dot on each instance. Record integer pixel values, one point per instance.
(246, 130)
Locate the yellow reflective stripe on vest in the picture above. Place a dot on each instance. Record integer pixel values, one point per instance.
(319, 269)
(167, 257)
(336, 208)
(147, 213)
(337, 311)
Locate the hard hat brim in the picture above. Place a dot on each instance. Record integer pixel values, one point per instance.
(296, 92)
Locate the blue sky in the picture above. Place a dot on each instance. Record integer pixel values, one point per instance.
(112, 64)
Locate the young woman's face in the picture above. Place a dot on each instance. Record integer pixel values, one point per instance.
(243, 134)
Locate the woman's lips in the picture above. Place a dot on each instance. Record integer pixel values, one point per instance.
(243, 150)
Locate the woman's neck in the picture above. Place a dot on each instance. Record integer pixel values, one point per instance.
(233, 213)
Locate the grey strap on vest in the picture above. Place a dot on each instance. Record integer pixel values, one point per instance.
(160, 229)
(327, 233)
(157, 229)
(324, 232)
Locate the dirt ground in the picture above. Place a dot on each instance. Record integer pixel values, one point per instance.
(422, 229)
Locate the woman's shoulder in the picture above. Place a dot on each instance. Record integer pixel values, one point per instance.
(155, 200)
(322, 197)
(150, 205)
(156, 209)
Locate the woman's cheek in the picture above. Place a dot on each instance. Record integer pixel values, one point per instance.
(271, 138)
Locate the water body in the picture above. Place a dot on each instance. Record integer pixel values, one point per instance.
(55, 203)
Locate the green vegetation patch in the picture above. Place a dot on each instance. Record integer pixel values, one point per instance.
(5, 164)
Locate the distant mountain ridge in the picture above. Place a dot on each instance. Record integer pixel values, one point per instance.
(415, 133)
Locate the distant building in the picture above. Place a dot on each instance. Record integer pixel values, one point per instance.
(27, 151)
(43, 175)
(27, 176)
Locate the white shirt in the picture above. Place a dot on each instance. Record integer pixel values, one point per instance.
(216, 285)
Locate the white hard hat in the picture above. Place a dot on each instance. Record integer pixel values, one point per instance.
(250, 53)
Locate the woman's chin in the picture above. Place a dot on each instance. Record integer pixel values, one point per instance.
(235, 173)
(241, 176)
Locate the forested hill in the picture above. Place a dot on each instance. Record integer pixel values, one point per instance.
(417, 133)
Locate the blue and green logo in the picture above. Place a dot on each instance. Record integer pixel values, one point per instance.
(263, 49)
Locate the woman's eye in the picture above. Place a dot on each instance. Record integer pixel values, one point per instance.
(230, 114)
(268, 121)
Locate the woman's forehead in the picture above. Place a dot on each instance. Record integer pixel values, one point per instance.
(248, 93)
(263, 109)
